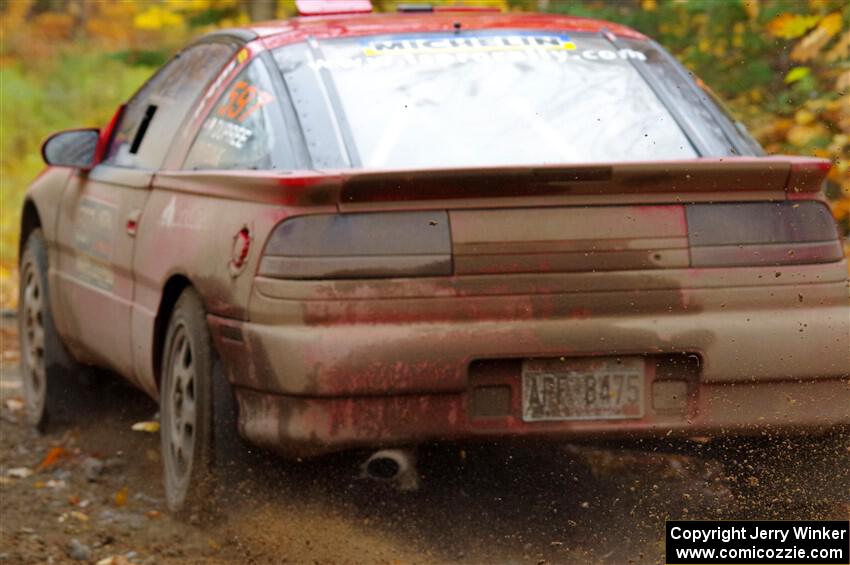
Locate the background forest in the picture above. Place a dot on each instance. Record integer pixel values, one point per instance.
(783, 67)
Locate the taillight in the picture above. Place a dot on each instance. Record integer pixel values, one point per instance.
(762, 233)
(374, 245)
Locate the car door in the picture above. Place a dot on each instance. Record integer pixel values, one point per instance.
(101, 210)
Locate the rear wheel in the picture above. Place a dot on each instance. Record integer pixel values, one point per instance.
(198, 431)
(52, 387)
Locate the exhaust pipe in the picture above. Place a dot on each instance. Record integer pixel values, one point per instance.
(396, 466)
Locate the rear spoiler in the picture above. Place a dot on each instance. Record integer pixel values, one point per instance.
(732, 178)
(792, 174)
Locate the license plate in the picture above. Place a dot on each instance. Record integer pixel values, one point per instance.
(604, 388)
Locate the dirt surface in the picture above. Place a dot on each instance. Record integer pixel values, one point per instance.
(92, 490)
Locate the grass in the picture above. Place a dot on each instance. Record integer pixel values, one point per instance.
(78, 87)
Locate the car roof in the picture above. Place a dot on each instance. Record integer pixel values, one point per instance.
(324, 27)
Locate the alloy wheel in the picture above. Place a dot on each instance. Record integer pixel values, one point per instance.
(181, 421)
(32, 341)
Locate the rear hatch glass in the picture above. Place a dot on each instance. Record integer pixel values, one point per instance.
(486, 98)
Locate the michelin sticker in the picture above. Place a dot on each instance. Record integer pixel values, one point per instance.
(454, 49)
(467, 44)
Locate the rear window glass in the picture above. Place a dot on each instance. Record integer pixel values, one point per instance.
(481, 99)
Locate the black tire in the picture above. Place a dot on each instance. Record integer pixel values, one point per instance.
(54, 390)
(803, 473)
(198, 433)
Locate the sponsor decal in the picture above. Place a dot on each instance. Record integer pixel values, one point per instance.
(242, 100)
(223, 131)
(467, 44)
(93, 242)
(448, 57)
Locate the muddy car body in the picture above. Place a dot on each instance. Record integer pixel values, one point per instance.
(694, 290)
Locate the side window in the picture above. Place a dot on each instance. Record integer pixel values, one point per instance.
(152, 117)
(245, 129)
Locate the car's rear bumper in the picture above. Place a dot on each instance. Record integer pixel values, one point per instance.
(302, 426)
(331, 365)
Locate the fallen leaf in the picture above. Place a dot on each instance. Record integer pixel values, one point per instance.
(121, 496)
(843, 81)
(841, 49)
(752, 9)
(801, 136)
(804, 117)
(153, 514)
(810, 46)
(114, 560)
(12, 356)
(79, 516)
(790, 26)
(831, 24)
(14, 404)
(53, 456)
(797, 73)
(151, 427)
(19, 473)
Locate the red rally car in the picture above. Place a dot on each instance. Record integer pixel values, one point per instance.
(377, 231)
